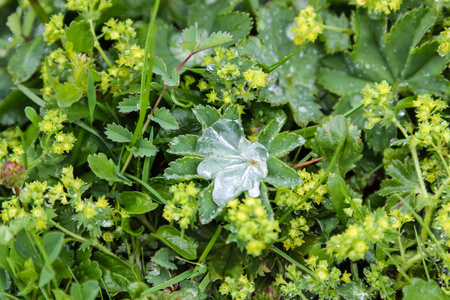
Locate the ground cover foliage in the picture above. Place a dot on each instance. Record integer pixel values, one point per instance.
(194, 149)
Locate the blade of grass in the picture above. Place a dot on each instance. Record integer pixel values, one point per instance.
(92, 98)
(31, 95)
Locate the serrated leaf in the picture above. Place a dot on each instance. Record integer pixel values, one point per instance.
(164, 258)
(26, 59)
(190, 38)
(421, 289)
(130, 104)
(207, 209)
(164, 118)
(215, 39)
(88, 270)
(79, 33)
(404, 179)
(184, 145)
(405, 35)
(136, 202)
(234, 163)
(118, 133)
(280, 174)
(238, 24)
(160, 68)
(104, 168)
(337, 198)
(206, 115)
(329, 136)
(67, 94)
(335, 41)
(183, 168)
(267, 135)
(144, 147)
(296, 86)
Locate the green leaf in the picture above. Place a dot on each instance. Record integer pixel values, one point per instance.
(267, 135)
(226, 261)
(206, 115)
(183, 168)
(160, 68)
(329, 136)
(284, 143)
(214, 40)
(129, 104)
(90, 290)
(143, 147)
(126, 225)
(184, 145)
(183, 245)
(53, 242)
(136, 202)
(33, 116)
(405, 35)
(88, 270)
(335, 41)
(27, 249)
(190, 38)
(116, 274)
(67, 94)
(92, 97)
(79, 33)
(337, 197)
(104, 168)
(421, 289)
(26, 59)
(292, 85)
(404, 179)
(47, 274)
(280, 174)
(207, 209)
(164, 118)
(192, 41)
(164, 258)
(118, 133)
(238, 24)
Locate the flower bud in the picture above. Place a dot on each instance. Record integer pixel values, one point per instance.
(12, 174)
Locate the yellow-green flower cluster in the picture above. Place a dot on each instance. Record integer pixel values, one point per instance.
(64, 142)
(377, 6)
(239, 289)
(52, 121)
(120, 31)
(308, 25)
(12, 209)
(357, 239)
(293, 198)
(54, 29)
(432, 129)
(376, 104)
(88, 5)
(52, 71)
(256, 78)
(444, 42)
(443, 219)
(397, 218)
(183, 206)
(10, 151)
(431, 169)
(252, 226)
(378, 282)
(349, 211)
(114, 78)
(296, 233)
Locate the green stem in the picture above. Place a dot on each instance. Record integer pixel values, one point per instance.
(429, 211)
(324, 176)
(40, 12)
(175, 280)
(146, 223)
(208, 247)
(293, 261)
(81, 239)
(340, 29)
(97, 44)
(273, 67)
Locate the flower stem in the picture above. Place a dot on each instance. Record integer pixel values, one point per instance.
(273, 67)
(334, 28)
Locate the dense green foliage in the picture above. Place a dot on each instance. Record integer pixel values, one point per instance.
(251, 149)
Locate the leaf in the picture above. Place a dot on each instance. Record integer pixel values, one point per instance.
(92, 97)
(337, 198)
(67, 94)
(193, 42)
(206, 115)
(53, 242)
(214, 40)
(207, 209)
(27, 249)
(184, 145)
(118, 133)
(144, 147)
(233, 162)
(421, 289)
(47, 274)
(267, 135)
(226, 261)
(160, 68)
(90, 290)
(26, 59)
(164, 258)
(33, 116)
(116, 274)
(136, 202)
(335, 41)
(280, 174)
(183, 245)
(88, 270)
(292, 84)
(183, 168)
(284, 143)
(79, 33)
(104, 168)
(329, 136)
(126, 225)
(404, 179)
(405, 35)
(238, 24)
(190, 38)
(164, 118)
(130, 104)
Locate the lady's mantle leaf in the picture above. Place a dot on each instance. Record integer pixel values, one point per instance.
(404, 179)
(104, 168)
(118, 133)
(235, 163)
(143, 147)
(421, 289)
(164, 118)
